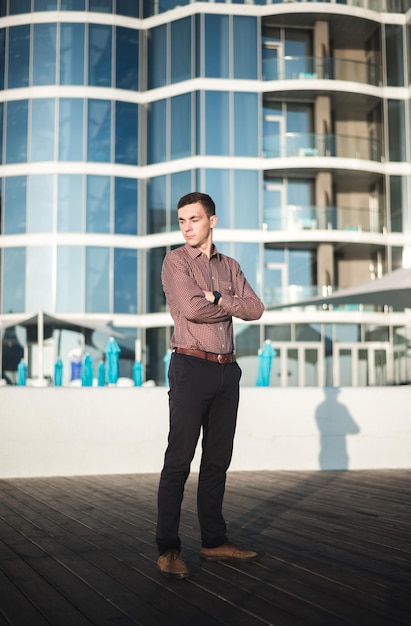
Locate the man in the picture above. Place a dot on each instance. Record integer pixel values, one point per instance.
(204, 290)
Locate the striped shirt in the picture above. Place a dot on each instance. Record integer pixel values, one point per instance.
(198, 323)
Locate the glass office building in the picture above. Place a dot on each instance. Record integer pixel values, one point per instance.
(294, 116)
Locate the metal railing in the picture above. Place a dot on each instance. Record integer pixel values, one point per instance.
(330, 145)
(311, 217)
(327, 68)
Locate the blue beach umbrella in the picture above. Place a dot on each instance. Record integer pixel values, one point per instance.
(265, 358)
(166, 360)
(58, 373)
(87, 372)
(138, 373)
(101, 374)
(112, 351)
(21, 373)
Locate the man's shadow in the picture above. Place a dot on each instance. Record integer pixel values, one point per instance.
(334, 422)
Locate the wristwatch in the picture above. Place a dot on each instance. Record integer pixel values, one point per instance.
(217, 297)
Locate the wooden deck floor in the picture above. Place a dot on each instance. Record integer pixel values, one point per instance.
(335, 548)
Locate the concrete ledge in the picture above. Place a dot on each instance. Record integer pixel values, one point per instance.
(78, 431)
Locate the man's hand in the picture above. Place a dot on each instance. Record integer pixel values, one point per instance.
(210, 297)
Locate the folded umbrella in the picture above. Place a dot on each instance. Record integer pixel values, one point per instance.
(265, 358)
(58, 373)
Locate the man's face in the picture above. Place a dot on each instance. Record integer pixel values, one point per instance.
(195, 225)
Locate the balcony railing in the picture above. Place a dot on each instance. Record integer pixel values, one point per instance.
(310, 145)
(309, 217)
(289, 68)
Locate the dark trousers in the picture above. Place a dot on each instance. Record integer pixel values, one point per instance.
(203, 395)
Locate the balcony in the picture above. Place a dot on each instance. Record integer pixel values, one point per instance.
(309, 217)
(330, 145)
(327, 68)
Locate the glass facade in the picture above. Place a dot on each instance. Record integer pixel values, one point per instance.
(298, 130)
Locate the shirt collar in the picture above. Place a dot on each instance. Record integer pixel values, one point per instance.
(195, 252)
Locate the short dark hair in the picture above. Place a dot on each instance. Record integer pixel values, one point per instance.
(196, 196)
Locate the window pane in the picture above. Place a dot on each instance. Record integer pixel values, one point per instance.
(98, 130)
(246, 199)
(180, 185)
(126, 58)
(125, 206)
(245, 56)
(181, 50)
(396, 130)
(216, 46)
(15, 205)
(395, 55)
(217, 123)
(39, 278)
(40, 214)
(45, 5)
(71, 54)
(128, 7)
(14, 280)
(156, 205)
(125, 281)
(42, 129)
(157, 57)
(246, 124)
(2, 55)
(19, 6)
(100, 53)
(73, 5)
(44, 54)
(126, 145)
(156, 139)
(217, 184)
(71, 129)
(98, 204)
(100, 6)
(248, 256)
(69, 280)
(97, 280)
(19, 49)
(155, 294)
(16, 139)
(181, 126)
(70, 204)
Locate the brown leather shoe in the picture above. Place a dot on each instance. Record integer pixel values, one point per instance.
(227, 552)
(171, 564)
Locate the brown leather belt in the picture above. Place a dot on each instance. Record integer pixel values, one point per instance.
(208, 356)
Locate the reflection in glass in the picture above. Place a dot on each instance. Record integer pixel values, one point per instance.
(16, 138)
(71, 54)
(181, 50)
(44, 54)
(126, 144)
(216, 46)
(157, 57)
(19, 6)
(156, 132)
(70, 203)
(39, 278)
(125, 206)
(127, 58)
(69, 280)
(125, 281)
(181, 126)
(245, 56)
(246, 199)
(40, 207)
(71, 129)
(15, 189)
(42, 129)
(14, 280)
(98, 204)
(98, 130)
(100, 54)
(97, 280)
(246, 124)
(217, 126)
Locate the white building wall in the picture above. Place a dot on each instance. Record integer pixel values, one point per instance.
(80, 431)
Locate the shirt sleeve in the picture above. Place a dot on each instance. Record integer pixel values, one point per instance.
(244, 304)
(185, 296)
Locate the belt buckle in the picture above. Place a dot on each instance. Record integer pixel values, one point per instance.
(220, 357)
